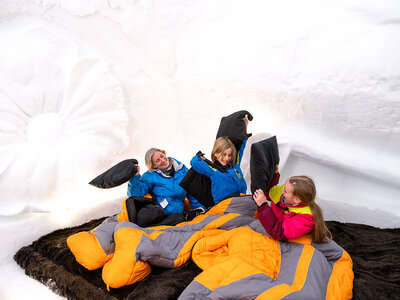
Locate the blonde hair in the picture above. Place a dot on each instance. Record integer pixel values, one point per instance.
(149, 155)
(304, 189)
(220, 145)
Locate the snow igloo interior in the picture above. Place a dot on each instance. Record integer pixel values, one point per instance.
(85, 85)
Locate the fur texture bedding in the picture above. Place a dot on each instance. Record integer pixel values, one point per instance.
(375, 254)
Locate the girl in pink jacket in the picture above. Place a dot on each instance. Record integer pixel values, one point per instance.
(293, 211)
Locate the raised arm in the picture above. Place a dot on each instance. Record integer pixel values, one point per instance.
(201, 166)
(274, 182)
(138, 186)
(240, 153)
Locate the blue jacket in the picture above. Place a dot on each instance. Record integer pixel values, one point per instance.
(164, 187)
(223, 184)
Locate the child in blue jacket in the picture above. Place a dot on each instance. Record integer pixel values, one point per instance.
(230, 181)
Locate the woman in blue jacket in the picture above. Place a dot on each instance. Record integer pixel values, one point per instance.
(163, 178)
(230, 180)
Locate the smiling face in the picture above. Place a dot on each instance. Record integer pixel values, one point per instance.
(287, 193)
(224, 157)
(160, 160)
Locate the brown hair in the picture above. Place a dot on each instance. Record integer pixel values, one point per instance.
(304, 189)
(220, 145)
(148, 157)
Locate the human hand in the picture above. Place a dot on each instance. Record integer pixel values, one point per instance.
(259, 197)
(138, 170)
(246, 120)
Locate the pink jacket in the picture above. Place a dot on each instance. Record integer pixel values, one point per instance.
(281, 221)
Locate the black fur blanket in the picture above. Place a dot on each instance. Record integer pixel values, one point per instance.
(375, 254)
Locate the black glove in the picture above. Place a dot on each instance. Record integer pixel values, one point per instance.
(192, 213)
(200, 154)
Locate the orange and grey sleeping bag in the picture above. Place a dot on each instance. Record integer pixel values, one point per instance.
(126, 250)
(238, 258)
(244, 264)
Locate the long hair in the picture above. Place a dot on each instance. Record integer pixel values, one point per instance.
(148, 157)
(220, 145)
(304, 189)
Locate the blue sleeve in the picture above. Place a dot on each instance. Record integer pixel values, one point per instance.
(138, 186)
(194, 203)
(201, 166)
(240, 154)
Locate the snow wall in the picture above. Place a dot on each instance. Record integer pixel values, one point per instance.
(86, 84)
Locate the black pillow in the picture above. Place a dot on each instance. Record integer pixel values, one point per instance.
(234, 128)
(199, 186)
(264, 156)
(116, 175)
(143, 211)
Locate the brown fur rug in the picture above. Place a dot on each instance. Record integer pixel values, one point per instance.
(375, 253)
